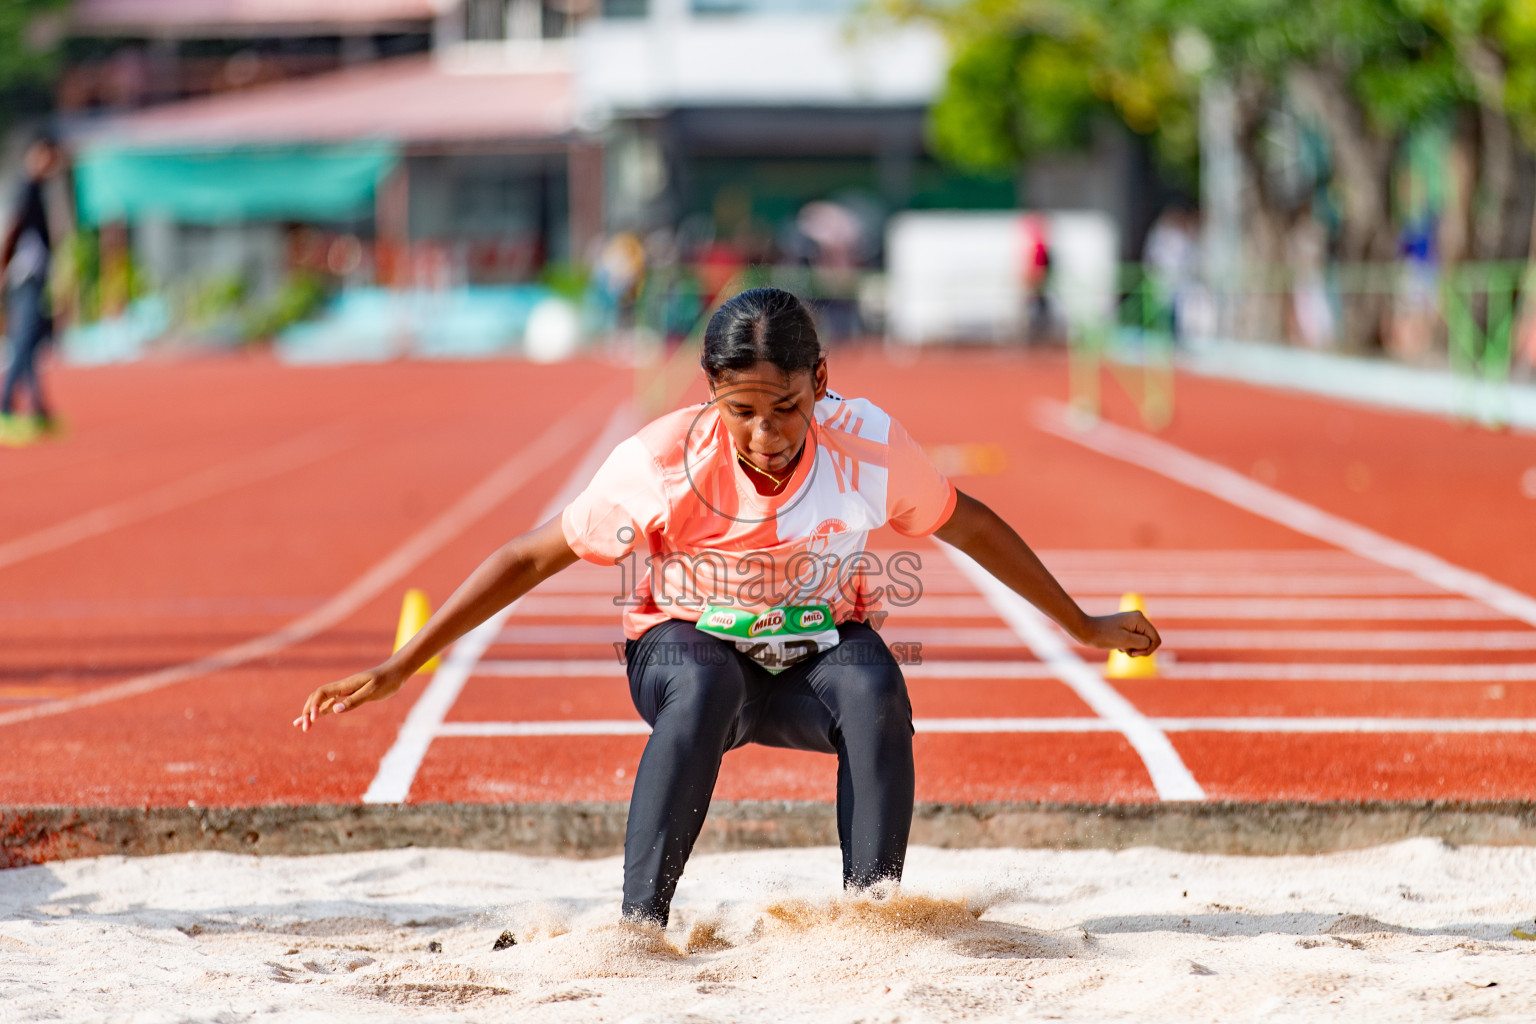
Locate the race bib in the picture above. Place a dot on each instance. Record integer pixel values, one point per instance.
(776, 638)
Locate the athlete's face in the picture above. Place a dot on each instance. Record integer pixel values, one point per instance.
(768, 413)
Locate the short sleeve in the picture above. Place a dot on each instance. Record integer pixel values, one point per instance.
(918, 498)
(625, 501)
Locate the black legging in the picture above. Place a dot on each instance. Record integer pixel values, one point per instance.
(702, 697)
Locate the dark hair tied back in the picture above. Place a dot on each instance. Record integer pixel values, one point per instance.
(760, 325)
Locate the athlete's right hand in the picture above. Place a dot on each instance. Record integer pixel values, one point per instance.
(348, 693)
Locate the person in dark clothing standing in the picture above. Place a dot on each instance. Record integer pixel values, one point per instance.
(25, 258)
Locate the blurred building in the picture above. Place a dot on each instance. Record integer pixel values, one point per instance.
(526, 126)
(728, 110)
(127, 54)
(216, 128)
(435, 144)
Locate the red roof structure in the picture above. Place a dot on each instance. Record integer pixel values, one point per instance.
(408, 100)
(189, 17)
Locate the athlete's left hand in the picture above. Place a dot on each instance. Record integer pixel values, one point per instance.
(1131, 632)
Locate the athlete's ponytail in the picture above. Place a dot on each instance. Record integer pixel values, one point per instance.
(760, 325)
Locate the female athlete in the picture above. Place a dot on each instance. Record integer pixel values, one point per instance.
(750, 620)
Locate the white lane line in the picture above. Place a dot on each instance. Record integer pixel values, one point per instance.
(957, 606)
(572, 727)
(980, 636)
(973, 725)
(562, 606)
(1348, 673)
(1236, 489)
(1175, 639)
(1349, 640)
(1212, 560)
(1170, 777)
(540, 668)
(960, 636)
(928, 606)
(635, 727)
(942, 606)
(603, 668)
(397, 769)
(1235, 671)
(1382, 584)
(609, 633)
(503, 481)
(1118, 572)
(603, 583)
(157, 607)
(1305, 725)
(1200, 559)
(1163, 582)
(1353, 609)
(227, 476)
(979, 670)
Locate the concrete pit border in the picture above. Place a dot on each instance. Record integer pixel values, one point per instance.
(34, 835)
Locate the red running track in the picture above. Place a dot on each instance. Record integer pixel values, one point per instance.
(195, 508)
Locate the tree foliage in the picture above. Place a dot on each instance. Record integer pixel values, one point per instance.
(31, 32)
(1031, 76)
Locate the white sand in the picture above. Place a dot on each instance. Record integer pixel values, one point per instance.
(1409, 932)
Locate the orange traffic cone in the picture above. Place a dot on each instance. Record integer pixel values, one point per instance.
(1122, 665)
(414, 613)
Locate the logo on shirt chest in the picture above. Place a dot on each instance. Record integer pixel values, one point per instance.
(822, 535)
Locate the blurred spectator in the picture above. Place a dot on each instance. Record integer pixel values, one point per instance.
(26, 257)
(1172, 259)
(836, 234)
(1411, 331)
(717, 263)
(1524, 367)
(1307, 253)
(1037, 274)
(616, 278)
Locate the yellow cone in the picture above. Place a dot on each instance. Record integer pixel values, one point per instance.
(1122, 665)
(414, 613)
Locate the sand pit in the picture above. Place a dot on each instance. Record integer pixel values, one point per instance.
(1415, 931)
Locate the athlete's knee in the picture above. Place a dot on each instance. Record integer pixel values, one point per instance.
(874, 692)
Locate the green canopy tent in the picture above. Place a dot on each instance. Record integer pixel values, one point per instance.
(208, 186)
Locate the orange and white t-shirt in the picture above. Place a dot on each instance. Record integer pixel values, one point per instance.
(673, 507)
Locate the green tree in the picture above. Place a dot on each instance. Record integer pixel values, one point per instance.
(31, 34)
(1030, 76)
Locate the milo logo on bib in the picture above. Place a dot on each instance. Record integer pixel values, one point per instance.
(766, 622)
(776, 638)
